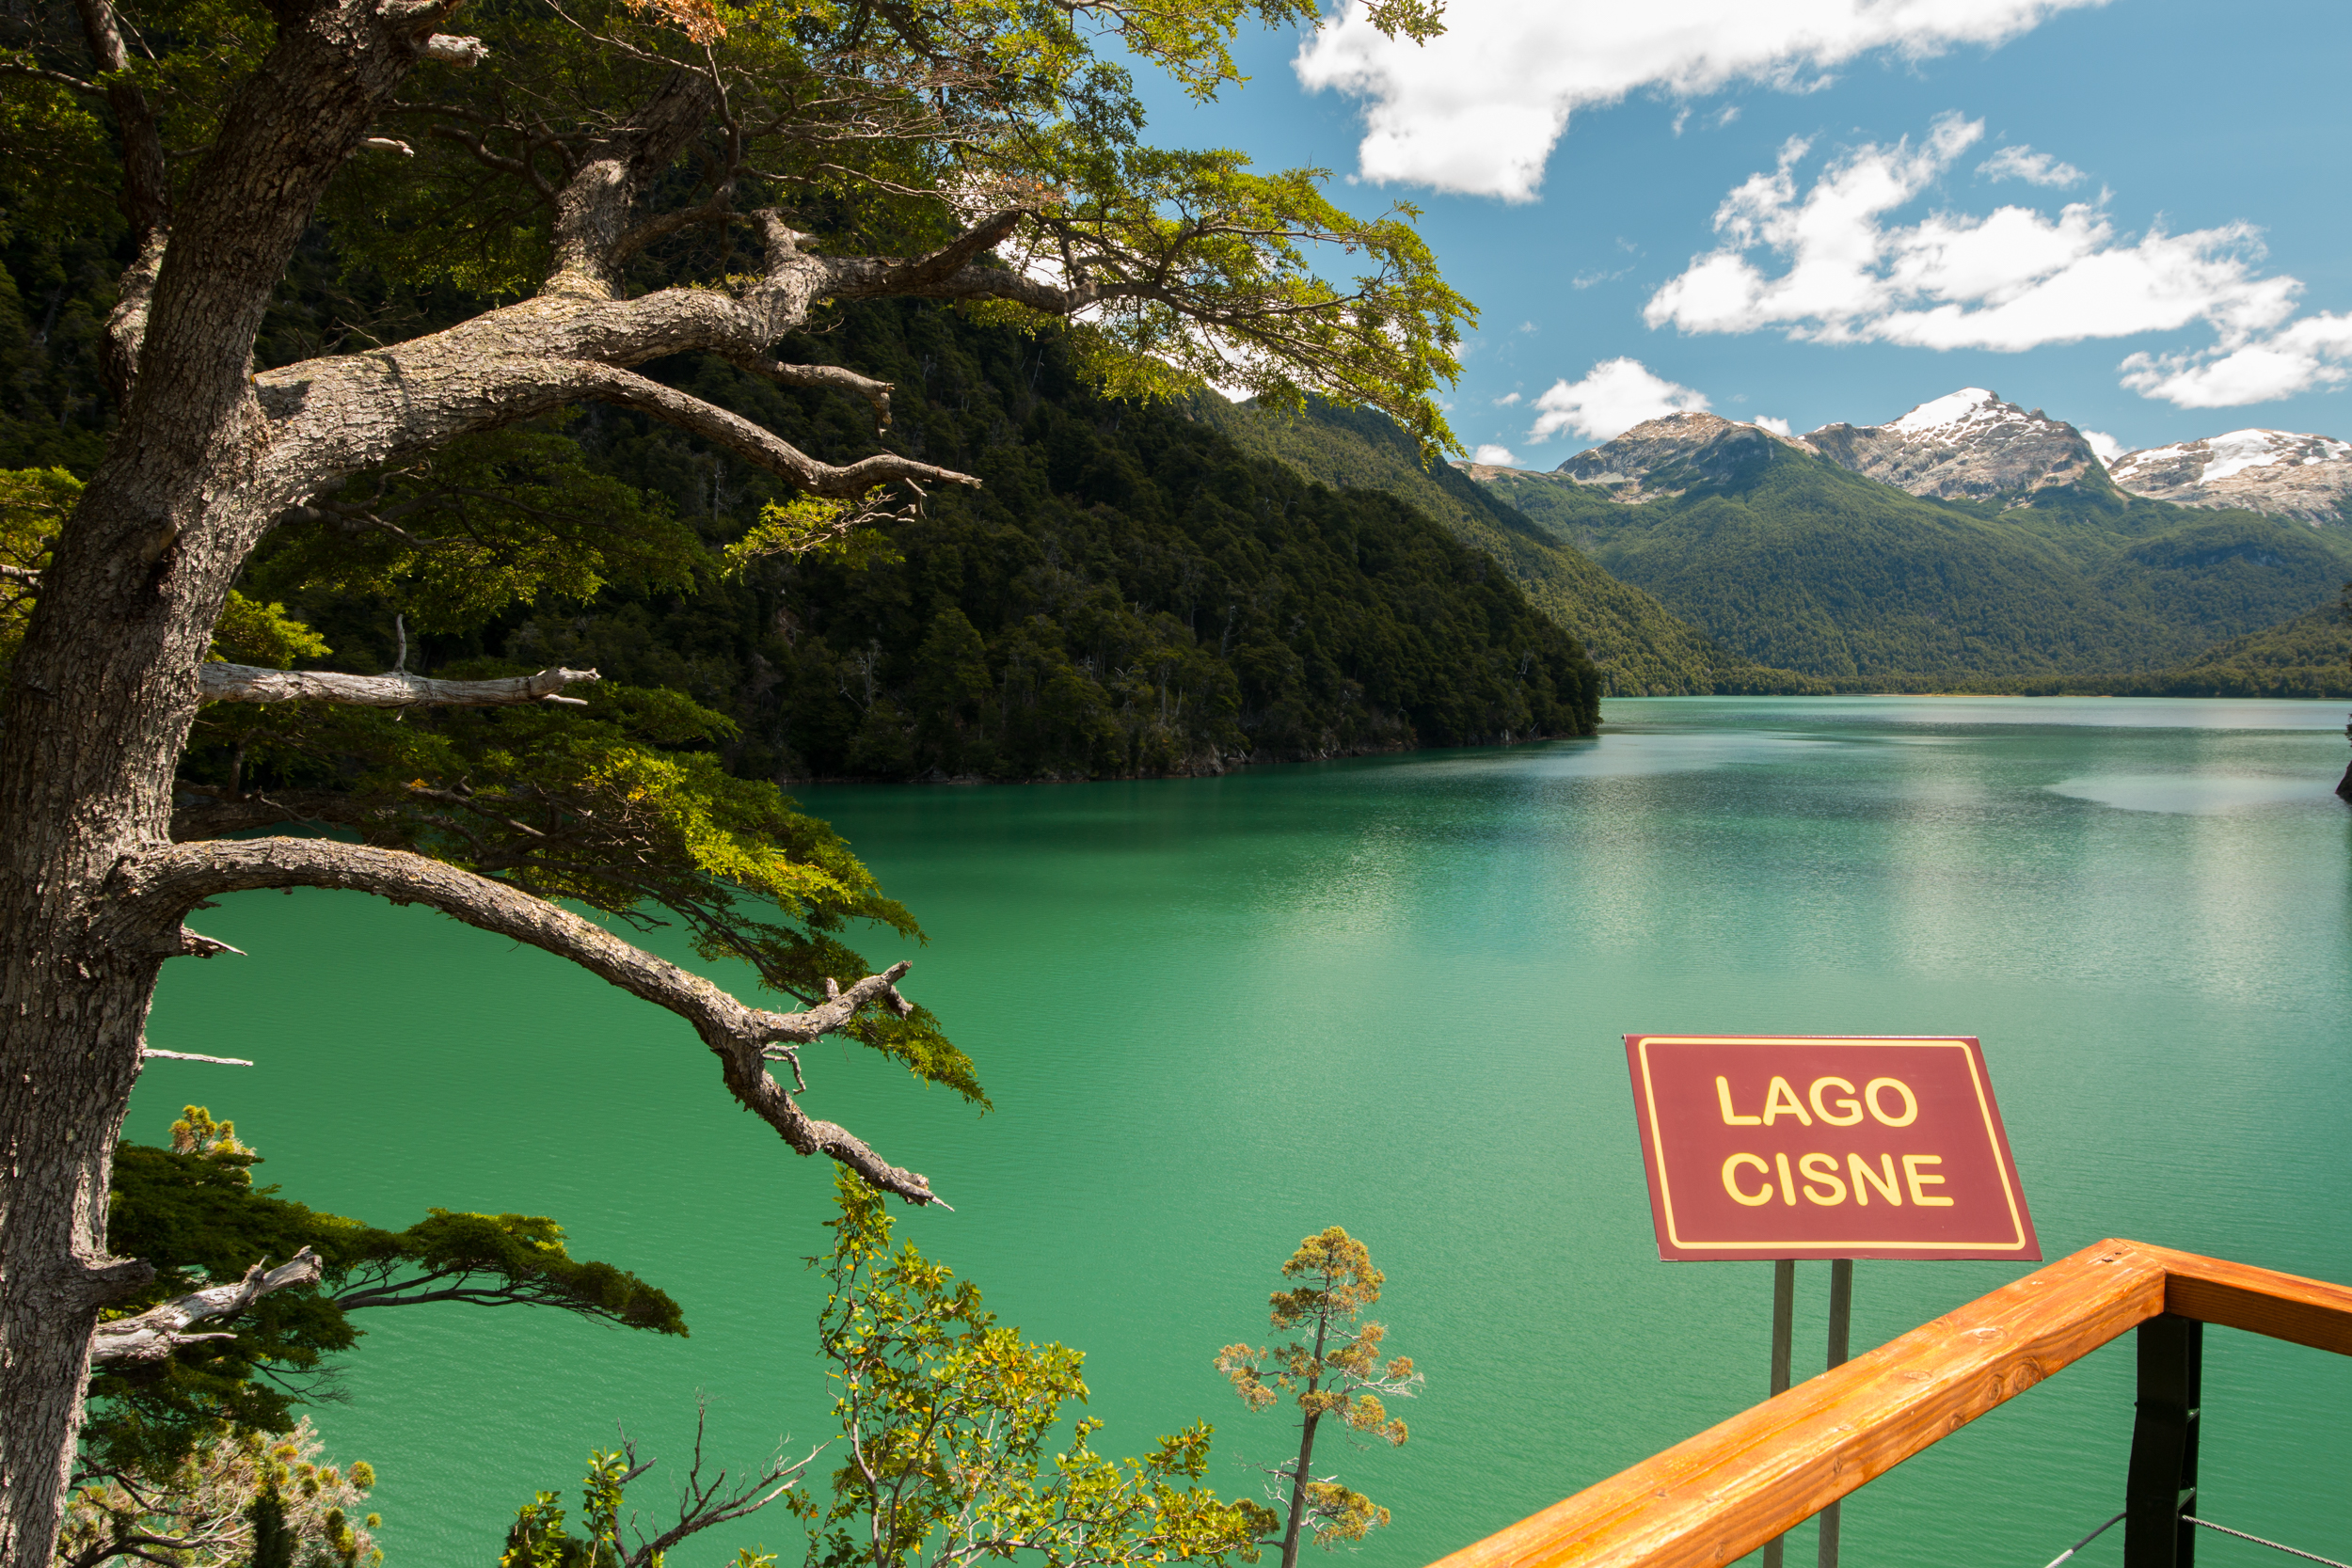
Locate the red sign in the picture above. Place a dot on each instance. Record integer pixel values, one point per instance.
(1796, 1146)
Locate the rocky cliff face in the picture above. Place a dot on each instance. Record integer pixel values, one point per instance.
(1669, 455)
(1968, 446)
(2304, 477)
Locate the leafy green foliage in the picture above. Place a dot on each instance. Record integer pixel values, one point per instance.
(946, 1416)
(194, 1212)
(538, 1540)
(1334, 1368)
(484, 523)
(33, 505)
(947, 1419)
(613, 806)
(1801, 564)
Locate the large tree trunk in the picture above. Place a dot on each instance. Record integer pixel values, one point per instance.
(98, 710)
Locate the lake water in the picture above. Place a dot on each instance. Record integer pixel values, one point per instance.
(1217, 1014)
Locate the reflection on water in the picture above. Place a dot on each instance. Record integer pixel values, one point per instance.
(1215, 1014)
(2191, 794)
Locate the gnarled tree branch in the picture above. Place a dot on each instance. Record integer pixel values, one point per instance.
(219, 682)
(160, 885)
(628, 389)
(155, 1333)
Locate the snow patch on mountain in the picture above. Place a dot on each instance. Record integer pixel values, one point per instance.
(2281, 473)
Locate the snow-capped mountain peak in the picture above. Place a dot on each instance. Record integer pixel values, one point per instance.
(1952, 413)
(1966, 445)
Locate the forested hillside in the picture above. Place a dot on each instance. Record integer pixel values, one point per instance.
(2309, 656)
(1794, 562)
(1642, 648)
(1128, 594)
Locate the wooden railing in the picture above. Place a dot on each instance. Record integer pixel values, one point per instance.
(1739, 1484)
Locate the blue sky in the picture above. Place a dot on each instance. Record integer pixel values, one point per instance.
(2134, 214)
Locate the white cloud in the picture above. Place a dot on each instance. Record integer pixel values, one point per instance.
(2106, 445)
(2011, 279)
(1778, 427)
(1506, 400)
(2035, 168)
(1500, 456)
(1614, 396)
(1478, 108)
(2305, 356)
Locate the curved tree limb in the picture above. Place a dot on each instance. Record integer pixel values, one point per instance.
(161, 884)
(628, 389)
(155, 1333)
(219, 682)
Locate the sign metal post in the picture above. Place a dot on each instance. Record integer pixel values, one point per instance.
(1831, 1146)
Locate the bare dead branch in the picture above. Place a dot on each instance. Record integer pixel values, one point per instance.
(147, 1051)
(161, 884)
(18, 574)
(628, 389)
(703, 1504)
(833, 378)
(54, 78)
(221, 682)
(155, 1333)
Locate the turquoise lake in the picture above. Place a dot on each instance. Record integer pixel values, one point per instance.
(1388, 994)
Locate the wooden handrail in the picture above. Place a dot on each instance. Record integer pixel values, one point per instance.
(1723, 1494)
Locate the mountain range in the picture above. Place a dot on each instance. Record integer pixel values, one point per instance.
(1970, 542)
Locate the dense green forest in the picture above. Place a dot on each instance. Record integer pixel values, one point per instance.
(2309, 656)
(1130, 593)
(1794, 562)
(1642, 647)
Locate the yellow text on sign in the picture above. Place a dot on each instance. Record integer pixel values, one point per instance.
(1818, 1179)
(1890, 1102)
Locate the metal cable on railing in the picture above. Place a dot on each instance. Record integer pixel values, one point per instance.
(2202, 1524)
(2086, 1540)
(2208, 1524)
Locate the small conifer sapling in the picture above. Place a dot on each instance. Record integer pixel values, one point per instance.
(1334, 1368)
